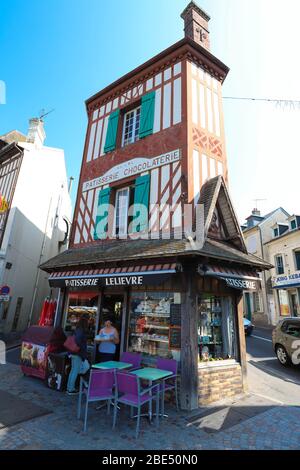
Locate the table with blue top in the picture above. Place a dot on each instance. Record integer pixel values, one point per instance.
(108, 365)
(151, 374)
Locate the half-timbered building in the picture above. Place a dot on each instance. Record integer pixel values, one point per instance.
(171, 276)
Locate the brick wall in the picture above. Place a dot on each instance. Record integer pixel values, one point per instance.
(217, 383)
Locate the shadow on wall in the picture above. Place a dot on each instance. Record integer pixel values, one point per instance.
(25, 247)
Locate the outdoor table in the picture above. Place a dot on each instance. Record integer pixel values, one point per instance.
(151, 374)
(112, 365)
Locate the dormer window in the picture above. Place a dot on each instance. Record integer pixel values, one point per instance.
(293, 224)
(131, 127)
(275, 232)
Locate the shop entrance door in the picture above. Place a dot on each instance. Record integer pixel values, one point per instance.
(112, 308)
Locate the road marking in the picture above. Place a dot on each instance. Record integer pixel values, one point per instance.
(263, 339)
(269, 398)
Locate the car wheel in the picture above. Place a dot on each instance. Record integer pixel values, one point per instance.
(282, 355)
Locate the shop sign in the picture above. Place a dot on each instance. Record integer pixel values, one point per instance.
(244, 284)
(131, 168)
(109, 281)
(286, 281)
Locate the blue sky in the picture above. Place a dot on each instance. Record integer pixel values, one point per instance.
(55, 54)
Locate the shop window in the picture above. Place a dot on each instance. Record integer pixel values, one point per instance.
(297, 260)
(283, 300)
(216, 329)
(155, 325)
(279, 264)
(17, 313)
(82, 303)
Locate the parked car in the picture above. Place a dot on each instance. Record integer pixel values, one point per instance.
(248, 326)
(283, 338)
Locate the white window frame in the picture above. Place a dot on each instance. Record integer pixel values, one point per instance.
(134, 139)
(127, 189)
(291, 228)
(296, 250)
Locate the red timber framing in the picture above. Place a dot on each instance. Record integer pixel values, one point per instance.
(166, 75)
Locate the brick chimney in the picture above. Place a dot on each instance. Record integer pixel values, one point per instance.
(36, 133)
(196, 24)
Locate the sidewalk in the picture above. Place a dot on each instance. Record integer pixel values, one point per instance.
(249, 422)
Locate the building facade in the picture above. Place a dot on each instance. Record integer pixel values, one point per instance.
(284, 253)
(35, 216)
(259, 306)
(155, 240)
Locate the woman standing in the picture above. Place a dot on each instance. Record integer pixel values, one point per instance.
(108, 338)
(81, 341)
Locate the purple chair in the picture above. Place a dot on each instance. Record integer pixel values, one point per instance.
(132, 358)
(129, 392)
(169, 383)
(100, 388)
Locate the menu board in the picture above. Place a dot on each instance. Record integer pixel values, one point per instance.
(175, 315)
(175, 338)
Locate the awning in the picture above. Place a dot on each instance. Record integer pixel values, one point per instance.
(113, 277)
(236, 278)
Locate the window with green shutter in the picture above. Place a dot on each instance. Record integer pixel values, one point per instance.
(147, 115)
(101, 222)
(141, 198)
(111, 134)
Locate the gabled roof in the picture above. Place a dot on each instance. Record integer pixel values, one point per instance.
(265, 217)
(213, 194)
(14, 136)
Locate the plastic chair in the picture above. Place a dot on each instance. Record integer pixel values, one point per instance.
(101, 388)
(169, 383)
(129, 392)
(132, 358)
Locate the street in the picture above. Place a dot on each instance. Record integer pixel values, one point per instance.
(266, 418)
(266, 376)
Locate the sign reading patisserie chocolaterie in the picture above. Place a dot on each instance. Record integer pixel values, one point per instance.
(132, 167)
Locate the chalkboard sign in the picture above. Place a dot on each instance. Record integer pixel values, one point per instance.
(175, 315)
(175, 338)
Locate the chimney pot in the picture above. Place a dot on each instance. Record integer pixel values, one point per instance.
(36, 133)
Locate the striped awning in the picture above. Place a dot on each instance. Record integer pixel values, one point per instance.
(110, 277)
(236, 278)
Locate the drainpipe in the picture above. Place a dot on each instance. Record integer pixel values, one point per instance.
(264, 282)
(40, 261)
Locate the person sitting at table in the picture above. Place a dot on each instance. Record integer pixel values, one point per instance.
(108, 338)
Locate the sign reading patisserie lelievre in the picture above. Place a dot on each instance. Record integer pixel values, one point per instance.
(131, 168)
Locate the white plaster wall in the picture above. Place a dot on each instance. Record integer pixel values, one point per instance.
(34, 229)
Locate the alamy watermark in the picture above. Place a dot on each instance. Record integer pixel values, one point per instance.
(2, 352)
(296, 354)
(140, 223)
(2, 92)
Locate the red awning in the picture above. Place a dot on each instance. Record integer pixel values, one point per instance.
(236, 278)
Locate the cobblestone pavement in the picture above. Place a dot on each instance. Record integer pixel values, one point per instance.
(275, 427)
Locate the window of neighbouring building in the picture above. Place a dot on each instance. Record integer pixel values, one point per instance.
(283, 300)
(155, 324)
(252, 244)
(216, 328)
(257, 302)
(293, 224)
(297, 260)
(275, 232)
(279, 264)
(131, 126)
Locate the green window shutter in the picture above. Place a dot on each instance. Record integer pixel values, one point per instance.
(141, 197)
(101, 222)
(111, 134)
(147, 115)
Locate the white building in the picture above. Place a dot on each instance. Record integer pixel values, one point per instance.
(259, 305)
(35, 215)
